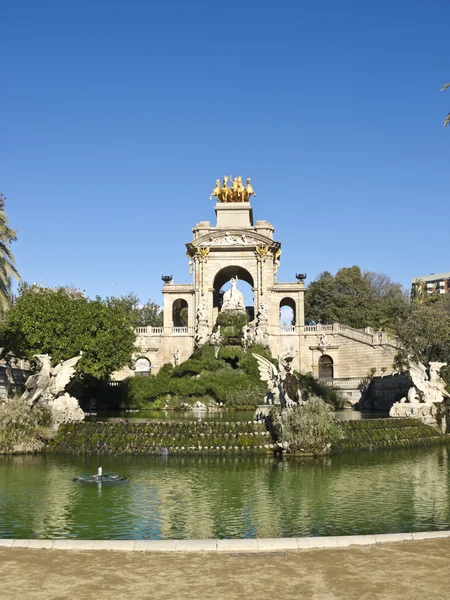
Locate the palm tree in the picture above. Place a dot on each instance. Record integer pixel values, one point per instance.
(447, 118)
(7, 268)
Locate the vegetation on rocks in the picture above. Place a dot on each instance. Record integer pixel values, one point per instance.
(22, 428)
(231, 379)
(174, 437)
(386, 433)
(309, 428)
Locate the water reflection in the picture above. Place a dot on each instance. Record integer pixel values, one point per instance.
(209, 497)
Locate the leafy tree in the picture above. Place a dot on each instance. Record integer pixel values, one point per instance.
(447, 118)
(151, 313)
(425, 333)
(140, 315)
(62, 324)
(7, 268)
(355, 298)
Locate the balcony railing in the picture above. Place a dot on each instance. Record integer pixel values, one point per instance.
(149, 330)
(179, 331)
(287, 329)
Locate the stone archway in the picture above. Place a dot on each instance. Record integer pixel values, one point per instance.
(180, 310)
(326, 367)
(222, 277)
(142, 367)
(287, 312)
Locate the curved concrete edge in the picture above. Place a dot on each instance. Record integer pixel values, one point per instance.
(238, 545)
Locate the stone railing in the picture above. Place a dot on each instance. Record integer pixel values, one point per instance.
(368, 336)
(319, 328)
(287, 329)
(149, 330)
(344, 382)
(179, 331)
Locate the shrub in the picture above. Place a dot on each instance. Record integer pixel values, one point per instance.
(311, 387)
(23, 428)
(308, 428)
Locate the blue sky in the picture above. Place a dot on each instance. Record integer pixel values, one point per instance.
(117, 117)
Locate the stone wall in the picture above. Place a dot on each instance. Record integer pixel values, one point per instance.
(173, 437)
(383, 392)
(9, 388)
(374, 434)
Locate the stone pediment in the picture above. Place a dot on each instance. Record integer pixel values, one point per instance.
(233, 238)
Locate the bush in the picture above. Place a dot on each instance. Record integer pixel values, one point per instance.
(23, 428)
(308, 428)
(311, 387)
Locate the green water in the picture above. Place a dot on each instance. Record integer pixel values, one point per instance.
(225, 497)
(220, 415)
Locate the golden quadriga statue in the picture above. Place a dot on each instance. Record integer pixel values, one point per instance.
(234, 193)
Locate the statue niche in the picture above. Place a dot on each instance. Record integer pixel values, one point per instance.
(233, 299)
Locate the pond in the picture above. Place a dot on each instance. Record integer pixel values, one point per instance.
(225, 497)
(221, 415)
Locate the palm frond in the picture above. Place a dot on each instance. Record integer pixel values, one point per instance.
(444, 87)
(447, 120)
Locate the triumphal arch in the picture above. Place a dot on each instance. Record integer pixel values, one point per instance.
(239, 249)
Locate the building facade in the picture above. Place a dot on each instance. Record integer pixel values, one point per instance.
(243, 250)
(435, 283)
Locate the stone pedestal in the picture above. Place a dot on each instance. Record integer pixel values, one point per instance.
(430, 413)
(231, 215)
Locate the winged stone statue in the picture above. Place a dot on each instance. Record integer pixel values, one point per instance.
(268, 372)
(431, 388)
(49, 383)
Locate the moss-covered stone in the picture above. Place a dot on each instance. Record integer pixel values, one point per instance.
(121, 437)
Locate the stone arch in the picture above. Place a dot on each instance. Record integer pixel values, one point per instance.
(179, 318)
(326, 367)
(223, 276)
(142, 366)
(288, 311)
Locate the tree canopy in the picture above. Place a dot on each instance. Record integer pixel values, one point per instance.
(63, 323)
(355, 298)
(7, 267)
(425, 332)
(140, 315)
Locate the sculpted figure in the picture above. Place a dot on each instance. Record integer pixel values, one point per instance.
(263, 311)
(202, 312)
(274, 378)
(216, 191)
(49, 382)
(176, 357)
(215, 339)
(225, 192)
(233, 299)
(48, 386)
(249, 191)
(236, 193)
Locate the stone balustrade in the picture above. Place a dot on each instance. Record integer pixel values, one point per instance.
(344, 382)
(290, 329)
(179, 331)
(149, 330)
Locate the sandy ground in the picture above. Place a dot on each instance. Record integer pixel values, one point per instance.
(407, 570)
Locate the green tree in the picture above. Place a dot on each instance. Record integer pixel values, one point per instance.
(425, 332)
(62, 324)
(140, 315)
(355, 298)
(7, 268)
(151, 313)
(447, 118)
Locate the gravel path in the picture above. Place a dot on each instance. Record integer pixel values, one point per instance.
(407, 570)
